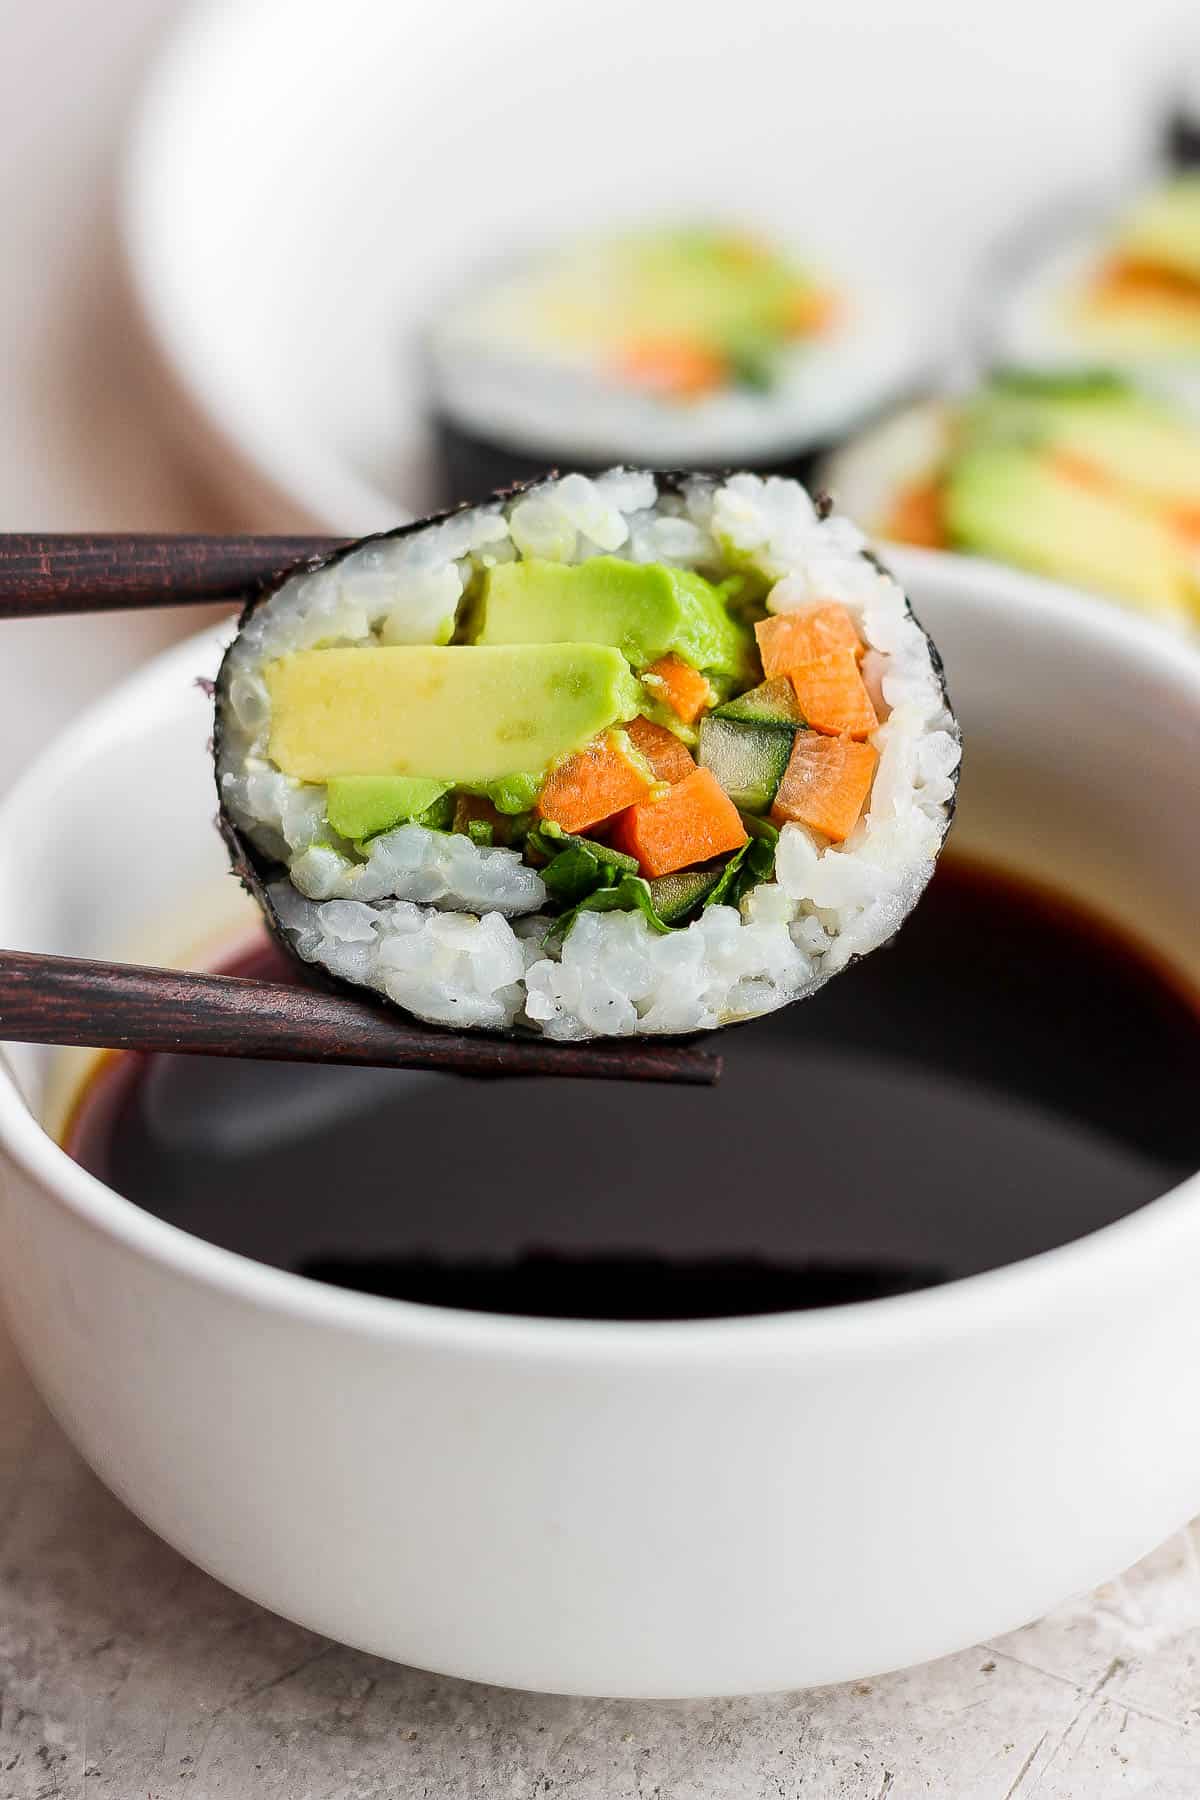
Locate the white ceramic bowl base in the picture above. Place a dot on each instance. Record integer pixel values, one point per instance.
(633, 1509)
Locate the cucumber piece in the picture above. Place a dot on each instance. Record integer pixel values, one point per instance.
(675, 896)
(747, 759)
(771, 703)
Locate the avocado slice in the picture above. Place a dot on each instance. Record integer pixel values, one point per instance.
(748, 759)
(771, 703)
(514, 793)
(674, 896)
(1011, 503)
(644, 609)
(461, 714)
(1135, 446)
(1099, 423)
(734, 298)
(361, 806)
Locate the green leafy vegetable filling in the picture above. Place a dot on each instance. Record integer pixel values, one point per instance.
(588, 877)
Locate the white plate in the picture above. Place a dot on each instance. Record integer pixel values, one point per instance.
(304, 179)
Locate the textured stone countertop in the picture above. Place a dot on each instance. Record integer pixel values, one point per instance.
(128, 1675)
(125, 1674)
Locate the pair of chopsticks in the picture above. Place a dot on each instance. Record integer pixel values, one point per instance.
(68, 1000)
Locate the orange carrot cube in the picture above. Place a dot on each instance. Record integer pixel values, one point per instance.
(692, 821)
(682, 368)
(918, 516)
(683, 688)
(785, 640)
(809, 310)
(594, 783)
(825, 784)
(833, 697)
(670, 759)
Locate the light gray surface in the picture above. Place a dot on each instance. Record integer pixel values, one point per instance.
(128, 1675)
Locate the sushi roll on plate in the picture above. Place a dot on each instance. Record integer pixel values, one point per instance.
(1119, 287)
(1181, 125)
(1081, 477)
(697, 346)
(638, 754)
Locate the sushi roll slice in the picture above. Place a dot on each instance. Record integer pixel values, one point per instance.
(1118, 287)
(1079, 477)
(602, 757)
(703, 347)
(1181, 126)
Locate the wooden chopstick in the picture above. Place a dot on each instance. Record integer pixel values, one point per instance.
(44, 576)
(122, 1006)
(63, 1000)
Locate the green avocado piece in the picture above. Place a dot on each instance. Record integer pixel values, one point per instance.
(1137, 446)
(675, 896)
(748, 759)
(463, 715)
(646, 610)
(771, 703)
(1011, 503)
(1096, 421)
(514, 793)
(361, 806)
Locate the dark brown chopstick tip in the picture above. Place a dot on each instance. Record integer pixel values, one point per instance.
(48, 575)
(120, 1006)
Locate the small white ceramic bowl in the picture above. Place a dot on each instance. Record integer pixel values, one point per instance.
(632, 1509)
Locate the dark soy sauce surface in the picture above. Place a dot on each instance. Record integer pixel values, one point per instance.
(1009, 1075)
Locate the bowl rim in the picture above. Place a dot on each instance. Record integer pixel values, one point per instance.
(305, 481)
(1129, 1253)
(297, 474)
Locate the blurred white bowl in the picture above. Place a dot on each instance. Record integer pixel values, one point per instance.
(304, 180)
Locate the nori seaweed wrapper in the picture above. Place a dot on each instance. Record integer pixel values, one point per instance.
(257, 870)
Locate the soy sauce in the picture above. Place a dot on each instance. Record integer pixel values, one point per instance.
(1008, 1076)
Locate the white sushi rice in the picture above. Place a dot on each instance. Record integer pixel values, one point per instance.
(455, 932)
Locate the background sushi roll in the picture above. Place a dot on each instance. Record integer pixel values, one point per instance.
(1180, 127)
(697, 346)
(1078, 476)
(628, 755)
(1116, 285)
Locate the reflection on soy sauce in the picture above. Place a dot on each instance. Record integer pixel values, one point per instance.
(1007, 1077)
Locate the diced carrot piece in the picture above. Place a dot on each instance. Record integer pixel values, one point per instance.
(1186, 519)
(670, 759)
(593, 784)
(825, 784)
(786, 640)
(683, 688)
(810, 310)
(1084, 473)
(918, 516)
(833, 697)
(681, 368)
(692, 821)
(744, 249)
(1081, 470)
(1129, 278)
